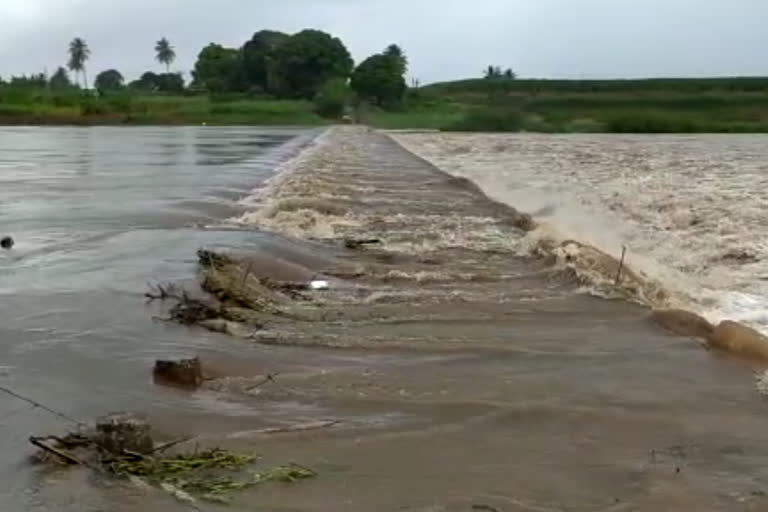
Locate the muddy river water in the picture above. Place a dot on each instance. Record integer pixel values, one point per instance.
(460, 375)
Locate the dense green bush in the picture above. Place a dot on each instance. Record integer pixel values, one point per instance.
(489, 119)
(92, 107)
(331, 102)
(638, 122)
(120, 102)
(66, 99)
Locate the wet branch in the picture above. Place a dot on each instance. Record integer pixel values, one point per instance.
(269, 378)
(621, 264)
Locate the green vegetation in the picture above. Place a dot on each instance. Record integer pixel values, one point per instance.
(79, 53)
(332, 99)
(498, 119)
(306, 61)
(170, 83)
(500, 103)
(212, 475)
(47, 106)
(60, 80)
(166, 53)
(274, 78)
(110, 80)
(379, 78)
(309, 78)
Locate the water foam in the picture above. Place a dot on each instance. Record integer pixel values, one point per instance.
(689, 209)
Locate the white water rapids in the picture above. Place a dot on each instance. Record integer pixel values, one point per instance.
(691, 210)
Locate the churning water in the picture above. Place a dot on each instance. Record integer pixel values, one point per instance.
(691, 210)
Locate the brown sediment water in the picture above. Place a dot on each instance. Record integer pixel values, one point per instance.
(688, 208)
(504, 385)
(445, 368)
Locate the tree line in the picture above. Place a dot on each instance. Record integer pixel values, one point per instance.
(304, 65)
(310, 64)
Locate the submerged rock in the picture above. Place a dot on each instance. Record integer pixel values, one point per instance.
(739, 339)
(186, 373)
(7, 242)
(683, 323)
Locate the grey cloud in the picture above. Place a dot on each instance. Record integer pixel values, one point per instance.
(444, 39)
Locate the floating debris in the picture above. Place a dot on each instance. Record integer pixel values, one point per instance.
(120, 445)
(212, 475)
(353, 244)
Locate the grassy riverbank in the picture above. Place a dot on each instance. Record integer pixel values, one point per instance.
(46, 107)
(738, 105)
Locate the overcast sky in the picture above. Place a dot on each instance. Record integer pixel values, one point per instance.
(445, 39)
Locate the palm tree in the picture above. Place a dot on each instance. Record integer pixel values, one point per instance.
(78, 54)
(165, 53)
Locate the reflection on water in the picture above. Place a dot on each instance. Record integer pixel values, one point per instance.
(97, 213)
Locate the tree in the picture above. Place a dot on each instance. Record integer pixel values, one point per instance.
(163, 82)
(306, 61)
(257, 57)
(170, 82)
(60, 80)
(109, 80)
(380, 78)
(166, 54)
(38, 81)
(147, 82)
(493, 72)
(395, 52)
(218, 69)
(79, 53)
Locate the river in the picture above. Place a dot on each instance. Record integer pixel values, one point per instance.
(459, 373)
(97, 213)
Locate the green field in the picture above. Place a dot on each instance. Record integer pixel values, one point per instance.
(619, 106)
(737, 105)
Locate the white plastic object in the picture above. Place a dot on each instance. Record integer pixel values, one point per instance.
(319, 285)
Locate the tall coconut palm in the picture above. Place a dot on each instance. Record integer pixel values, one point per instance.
(165, 53)
(79, 53)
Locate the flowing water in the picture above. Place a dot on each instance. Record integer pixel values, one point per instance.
(691, 210)
(463, 374)
(97, 213)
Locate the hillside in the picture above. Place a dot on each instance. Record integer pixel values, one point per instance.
(652, 105)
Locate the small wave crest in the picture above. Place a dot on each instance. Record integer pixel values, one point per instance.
(598, 272)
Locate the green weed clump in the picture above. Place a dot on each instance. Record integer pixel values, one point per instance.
(212, 475)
